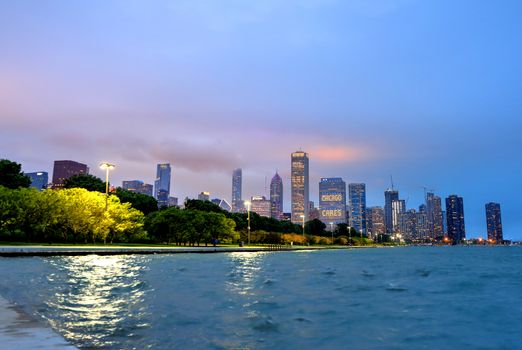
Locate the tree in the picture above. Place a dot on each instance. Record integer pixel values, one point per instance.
(315, 227)
(11, 175)
(196, 204)
(142, 202)
(87, 181)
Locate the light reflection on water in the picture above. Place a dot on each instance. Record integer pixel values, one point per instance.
(101, 299)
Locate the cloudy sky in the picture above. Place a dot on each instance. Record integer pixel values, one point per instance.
(426, 91)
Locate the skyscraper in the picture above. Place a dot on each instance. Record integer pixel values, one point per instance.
(162, 184)
(398, 208)
(494, 223)
(204, 196)
(39, 180)
(375, 222)
(261, 206)
(64, 169)
(332, 201)
(434, 216)
(455, 219)
(389, 196)
(357, 206)
(300, 186)
(276, 197)
(237, 179)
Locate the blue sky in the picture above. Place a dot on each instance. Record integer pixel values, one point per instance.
(428, 91)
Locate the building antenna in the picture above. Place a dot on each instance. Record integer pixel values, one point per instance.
(391, 179)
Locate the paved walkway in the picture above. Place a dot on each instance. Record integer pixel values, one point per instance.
(20, 332)
(35, 250)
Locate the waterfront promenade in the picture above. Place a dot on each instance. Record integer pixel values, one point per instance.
(79, 250)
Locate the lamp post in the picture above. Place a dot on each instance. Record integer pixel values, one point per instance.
(107, 167)
(303, 217)
(248, 203)
(349, 236)
(331, 229)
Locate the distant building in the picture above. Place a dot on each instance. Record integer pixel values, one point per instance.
(413, 225)
(390, 195)
(332, 200)
(455, 219)
(162, 184)
(276, 197)
(300, 186)
(313, 211)
(64, 169)
(375, 222)
(173, 202)
(222, 203)
(39, 180)
(398, 208)
(434, 216)
(287, 217)
(137, 186)
(261, 206)
(237, 179)
(494, 223)
(357, 206)
(204, 196)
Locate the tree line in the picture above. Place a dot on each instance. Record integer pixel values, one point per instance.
(80, 212)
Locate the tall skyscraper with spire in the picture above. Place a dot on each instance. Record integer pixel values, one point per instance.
(300, 186)
(276, 197)
(162, 184)
(237, 180)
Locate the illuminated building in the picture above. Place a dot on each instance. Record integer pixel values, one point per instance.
(204, 196)
(237, 179)
(332, 200)
(375, 222)
(398, 208)
(434, 216)
(261, 206)
(137, 186)
(300, 186)
(313, 212)
(39, 180)
(357, 206)
(162, 184)
(276, 197)
(64, 169)
(494, 223)
(455, 219)
(390, 195)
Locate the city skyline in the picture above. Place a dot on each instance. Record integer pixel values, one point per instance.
(212, 88)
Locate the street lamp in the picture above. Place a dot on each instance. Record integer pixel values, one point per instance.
(107, 167)
(248, 203)
(303, 217)
(349, 235)
(331, 229)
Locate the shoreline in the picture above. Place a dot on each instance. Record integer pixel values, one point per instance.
(20, 331)
(36, 250)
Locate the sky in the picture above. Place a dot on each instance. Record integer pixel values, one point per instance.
(425, 91)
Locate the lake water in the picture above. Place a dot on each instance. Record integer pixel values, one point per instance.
(396, 298)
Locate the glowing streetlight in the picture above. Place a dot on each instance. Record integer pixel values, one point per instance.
(248, 204)
(107, 167)
(303, 217)
(331, 229)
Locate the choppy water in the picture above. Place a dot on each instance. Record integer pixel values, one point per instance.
(398, 298)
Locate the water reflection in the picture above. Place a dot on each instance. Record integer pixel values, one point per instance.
(245, 267)
(101, 298)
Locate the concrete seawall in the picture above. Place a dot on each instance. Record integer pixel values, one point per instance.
(21, 251)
